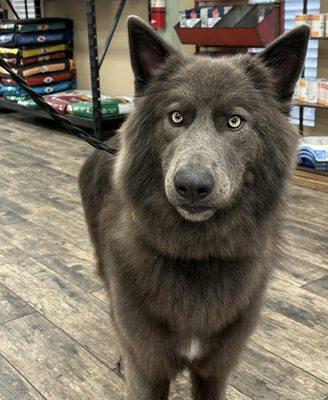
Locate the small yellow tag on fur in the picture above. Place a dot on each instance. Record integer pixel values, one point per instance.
(133, 216)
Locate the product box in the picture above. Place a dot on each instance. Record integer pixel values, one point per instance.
(317, 24)
(300, 19)
(183, 19)
(193, 18)
(303, 90)
(313, 91)
(323, 87)
(297, 91)
(210, 16)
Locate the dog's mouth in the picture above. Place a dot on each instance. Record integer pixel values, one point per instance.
(195, 213)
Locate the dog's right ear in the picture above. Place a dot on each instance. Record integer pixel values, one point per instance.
(148, 51)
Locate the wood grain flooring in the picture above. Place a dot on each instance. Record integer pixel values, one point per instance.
(56, 339)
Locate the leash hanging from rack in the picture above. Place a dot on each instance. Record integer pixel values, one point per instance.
(68, 125)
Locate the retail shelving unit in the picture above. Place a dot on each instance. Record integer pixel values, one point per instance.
(102, 126)
(301, 173)
(243, 34)
(301, 104)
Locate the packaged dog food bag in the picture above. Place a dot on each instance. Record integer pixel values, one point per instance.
(109, 107)
(61, 101)
(14, 97)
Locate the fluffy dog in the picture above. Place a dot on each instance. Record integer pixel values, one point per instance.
(186, 219)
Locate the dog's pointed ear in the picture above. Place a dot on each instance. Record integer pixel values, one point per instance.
(285, 59)
(148, 51)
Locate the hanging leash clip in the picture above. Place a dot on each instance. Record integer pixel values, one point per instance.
(54, 114)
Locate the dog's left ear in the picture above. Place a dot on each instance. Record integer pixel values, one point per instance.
(285, 58)
(148, 51)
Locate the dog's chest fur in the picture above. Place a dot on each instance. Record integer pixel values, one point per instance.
(193, 298)
(192, 349)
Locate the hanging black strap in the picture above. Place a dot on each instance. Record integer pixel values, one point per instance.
(68, 125)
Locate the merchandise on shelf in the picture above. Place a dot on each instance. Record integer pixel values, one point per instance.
(311, 90)
(79, 103)
(45, 89)
(313, 152)
(205, 17)
(35, 25)
(21, 62)
(41, 68)
(21, 53)
(40, 50)
(43, 79)
(317, 22)
(109, 107)
(33, 39)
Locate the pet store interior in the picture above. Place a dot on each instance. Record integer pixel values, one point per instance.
(56, 336)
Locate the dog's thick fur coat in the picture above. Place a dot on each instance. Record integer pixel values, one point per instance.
(186, 280)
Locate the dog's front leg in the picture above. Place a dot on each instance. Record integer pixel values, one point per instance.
(142, 385)
(210, 387)
(210, 375)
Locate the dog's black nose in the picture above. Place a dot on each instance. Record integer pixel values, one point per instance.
(194, 183)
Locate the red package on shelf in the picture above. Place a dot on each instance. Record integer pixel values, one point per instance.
(39, 80)
(38, 59)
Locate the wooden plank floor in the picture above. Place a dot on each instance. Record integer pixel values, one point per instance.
(56, 340)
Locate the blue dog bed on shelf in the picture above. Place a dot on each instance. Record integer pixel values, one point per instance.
(313, 152)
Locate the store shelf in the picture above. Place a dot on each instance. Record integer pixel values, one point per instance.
(102, 126)
(311, 170)
(311, 178)
(238, 28)
(225, 37)
(109, 124)
(310, 105)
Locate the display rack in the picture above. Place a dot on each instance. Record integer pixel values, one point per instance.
(102, 127)
(304, 175)
(242, 35)
(301, 105)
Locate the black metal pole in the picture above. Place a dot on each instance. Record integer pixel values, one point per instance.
(37, 7)
(94, 67)
(301, 124)
(112, 30)
(305, 6)
(12, 9)
(26, 9)
(301, 116)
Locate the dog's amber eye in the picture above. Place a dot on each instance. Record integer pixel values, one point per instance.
(234, 122)
(176, 117)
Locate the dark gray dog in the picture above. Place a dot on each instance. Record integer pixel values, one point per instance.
(186, 218)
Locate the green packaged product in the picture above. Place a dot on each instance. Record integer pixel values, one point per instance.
(29, 103)
(109, 107)
(15, 98)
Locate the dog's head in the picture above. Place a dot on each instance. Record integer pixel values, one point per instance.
(204, 129)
